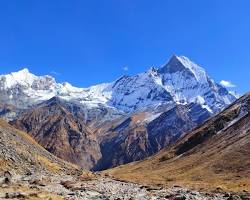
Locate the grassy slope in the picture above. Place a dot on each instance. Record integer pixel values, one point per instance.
(221, 161)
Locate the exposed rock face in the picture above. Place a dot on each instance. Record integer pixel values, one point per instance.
(136, 138)
(8, 112)
(60, 132)
(92, 141)
(188, 82)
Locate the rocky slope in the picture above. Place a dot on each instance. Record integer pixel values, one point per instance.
(65, 129)
(143, 134)
(214, 155)
(34, 173)
(53, 126)
(21, 154)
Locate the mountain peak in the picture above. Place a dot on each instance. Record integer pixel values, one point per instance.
(24, 71)
(182, 63)
(21, 73)
(23, 77)
(173, 65)
(180, 80)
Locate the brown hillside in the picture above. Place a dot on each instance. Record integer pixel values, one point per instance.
(215, 155)
(21, 154)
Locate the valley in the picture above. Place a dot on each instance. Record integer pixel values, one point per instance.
(115, 123)
(169, 133)
(214, 156)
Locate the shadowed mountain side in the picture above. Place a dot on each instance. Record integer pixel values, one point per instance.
(53, 126)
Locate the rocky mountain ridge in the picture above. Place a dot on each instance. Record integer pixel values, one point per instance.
(114, 123)
(180, 81)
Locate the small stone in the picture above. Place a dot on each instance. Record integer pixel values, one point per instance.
(226, 195)
(7, 177)
(36, 182)
(14, 195)
(179, 198)
(234, 197)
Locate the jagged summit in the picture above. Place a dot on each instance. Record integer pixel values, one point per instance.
(183, 64)
(21, 77)
(172, 66)
(24, 78)
(23, 71)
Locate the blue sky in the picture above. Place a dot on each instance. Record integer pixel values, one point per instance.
(87, 42)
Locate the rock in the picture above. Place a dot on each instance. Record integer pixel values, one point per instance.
(13, 195)
(234, 197)
(68, 184)
(150, 188)
(169, 196)
(37, 182)
(226, 195)
(245, 197)
(28, 173)
(179, 198)
(7, 177)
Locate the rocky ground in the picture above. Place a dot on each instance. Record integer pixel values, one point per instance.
(96, 187)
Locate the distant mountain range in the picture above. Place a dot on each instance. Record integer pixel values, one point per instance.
(180, 81)
(113, 123)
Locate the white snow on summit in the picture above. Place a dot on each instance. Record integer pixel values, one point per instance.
(21, 77)
(180, 81)
(198, 72)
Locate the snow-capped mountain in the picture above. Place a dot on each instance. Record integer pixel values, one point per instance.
(180, 81)
(112, 123)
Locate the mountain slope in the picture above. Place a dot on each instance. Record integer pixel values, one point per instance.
(37, 174)
(66, 130)
(143, 134)
(113, 123)
(54, 127)
(215, 155)
(21, 154)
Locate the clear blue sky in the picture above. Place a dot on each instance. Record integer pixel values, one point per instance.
(91, 41)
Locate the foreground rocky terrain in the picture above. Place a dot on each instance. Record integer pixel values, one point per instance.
(99, 188)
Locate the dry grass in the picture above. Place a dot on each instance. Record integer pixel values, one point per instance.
(183, 173)
(51, 166)
(220, 163)
(31, 193)
(87, 176)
